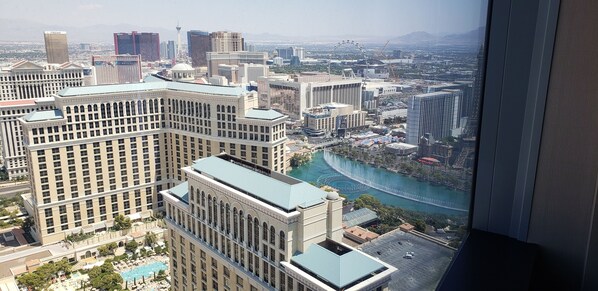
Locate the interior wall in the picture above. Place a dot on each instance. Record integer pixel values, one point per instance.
(564, 218)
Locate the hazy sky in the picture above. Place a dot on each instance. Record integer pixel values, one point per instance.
(298, 18)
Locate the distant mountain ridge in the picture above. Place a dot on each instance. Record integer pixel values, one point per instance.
(31, 31)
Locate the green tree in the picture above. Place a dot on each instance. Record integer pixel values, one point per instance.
(150, 239)
(131, 246)
(121, 222)
(34, 281)
(104, 278)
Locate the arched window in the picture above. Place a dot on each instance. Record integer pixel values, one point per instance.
(265, 231)
(222, 222)
(68, 110)
(89, 108)
(249, 230)
(151, 106)
(283, 241)
(103, 109)
(235, 223)
(241, 226)
(272, 235)
(133, 108)
(209, 209)
(128, 106)
(82, 109)
(215, 209)
(228, 109)
(227, 218)
(76, 109)
(203, 198)
(256, 231)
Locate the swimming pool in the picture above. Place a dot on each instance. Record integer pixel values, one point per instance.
(143, 271)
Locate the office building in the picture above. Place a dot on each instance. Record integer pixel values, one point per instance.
(199, 43)
(226, 41)
(277, 61)
(466, 98)
(294, 96)
(230, 72)
(57, 51)
(332, 118)
(432, 113)
(146, 44)
(119, 69)
(168, 50)
(285, 53)
(233, 58)
(23, 88)
(108, 150)
(237, 226)
(252, 72)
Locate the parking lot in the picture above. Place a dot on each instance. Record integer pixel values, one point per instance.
(422, 271)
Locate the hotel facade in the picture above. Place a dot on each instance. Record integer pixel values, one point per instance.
(108, 150)
(237, 226)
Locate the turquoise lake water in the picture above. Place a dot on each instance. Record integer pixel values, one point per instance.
(354, 178)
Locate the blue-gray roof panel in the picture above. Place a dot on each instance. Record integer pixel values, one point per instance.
(181, 191)
(43, 115)
(177, 86)
(273, 191)
(263, 114)
(337, 270)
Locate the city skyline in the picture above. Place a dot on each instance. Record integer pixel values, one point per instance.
(384, 19)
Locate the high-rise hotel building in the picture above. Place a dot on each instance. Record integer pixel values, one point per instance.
(237, 226)
(108, 150)
(26, 87)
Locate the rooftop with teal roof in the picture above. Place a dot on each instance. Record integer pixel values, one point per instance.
(43, 115)
(268, 114)
(273, 188)
(340, 268)
(149, 86)
(181, 191)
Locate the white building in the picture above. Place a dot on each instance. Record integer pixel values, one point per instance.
(27, 86)
(278, 61)
(293, 97)
(117, 69)
(252, 72)
(434, 113)
(238, 226)
(332, 118)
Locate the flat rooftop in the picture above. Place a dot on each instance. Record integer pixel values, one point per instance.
(422, 272)
(175, 86)
(278, 190)
(264, 114)
(337, 266)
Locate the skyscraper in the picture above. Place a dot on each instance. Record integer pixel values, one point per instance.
(56, 47)
(199, 44)
(146, 44)
(118, 167)
(226, 41)
(434, 113)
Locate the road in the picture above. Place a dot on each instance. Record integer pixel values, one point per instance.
(14, 188)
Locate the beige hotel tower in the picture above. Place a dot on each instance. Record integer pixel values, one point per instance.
(109, 150)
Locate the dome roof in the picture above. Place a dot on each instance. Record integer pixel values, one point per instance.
(332, 195)
(182, 67)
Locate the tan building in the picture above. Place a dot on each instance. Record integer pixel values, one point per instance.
(226, 41)
(26, 87)
(292, 96)
(57, 51)
(117, 69)
(215, 59)
(108, 150)
(238, 226)
(333, 118)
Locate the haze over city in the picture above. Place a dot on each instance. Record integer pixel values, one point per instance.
(306, 20)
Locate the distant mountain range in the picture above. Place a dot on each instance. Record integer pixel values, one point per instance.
(31, 31)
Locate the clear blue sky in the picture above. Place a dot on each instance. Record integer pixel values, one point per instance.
(298, 18)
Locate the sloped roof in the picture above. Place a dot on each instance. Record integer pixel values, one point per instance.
(175, 86)
(43, 115)
(263, 114)
(359, 217)
(283, 192)
(181, 191)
